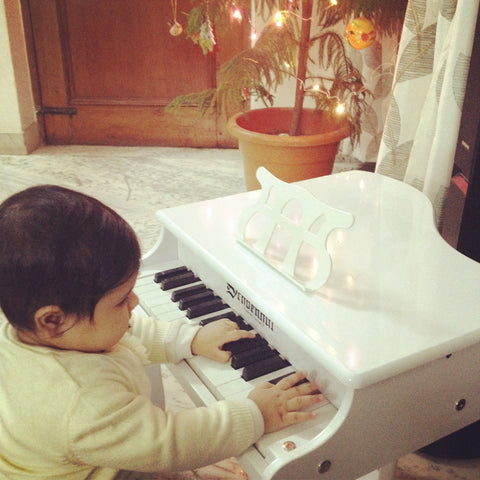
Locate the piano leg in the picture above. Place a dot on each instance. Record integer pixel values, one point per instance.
(154, 373)
(387, 472)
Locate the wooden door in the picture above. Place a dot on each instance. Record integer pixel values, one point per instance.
(107, 68)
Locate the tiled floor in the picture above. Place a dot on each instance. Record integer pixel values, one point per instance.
(137, 181)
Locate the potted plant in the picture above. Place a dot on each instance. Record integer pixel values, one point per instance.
(299, 41)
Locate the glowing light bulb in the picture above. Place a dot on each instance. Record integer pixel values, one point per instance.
(279, 19)
(316, 87)
(340, 108)
(253, 36)
(237, 14)
(334, 2)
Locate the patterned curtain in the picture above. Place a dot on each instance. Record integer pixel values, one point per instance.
(420, 134)
(377, 65)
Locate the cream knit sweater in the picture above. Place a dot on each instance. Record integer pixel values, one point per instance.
(68, 415)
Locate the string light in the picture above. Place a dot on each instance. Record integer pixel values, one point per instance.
(279, 19)
(237, 14)
(333, 3)
(340, 109)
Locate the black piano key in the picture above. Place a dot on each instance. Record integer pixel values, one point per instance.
(242, 324)
(248, 357)
(188, 302)
(187, 291)
(159, 276)
(263, 367)
(244, 344)
(178, 280)
(230, 315)
(274, 381)
(205, 307)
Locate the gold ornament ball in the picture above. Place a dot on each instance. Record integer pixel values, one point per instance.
(176, 29)
(360, 33)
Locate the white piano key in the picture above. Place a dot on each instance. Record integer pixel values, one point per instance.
(174, 315)
(164, 307)
(212, 372)
(239, 388)
(154, 300)
(152, 288)
(143, 280)
(234, 390)
(195, 388)
(160, 304)
(143, 294)
(146, 285)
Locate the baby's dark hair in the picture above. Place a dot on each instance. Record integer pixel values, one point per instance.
(60, 247)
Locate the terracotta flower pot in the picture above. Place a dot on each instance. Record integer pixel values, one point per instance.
(262, 141)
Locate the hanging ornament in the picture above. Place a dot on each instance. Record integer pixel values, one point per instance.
(207, 38)
(360, 33)
(175, 28)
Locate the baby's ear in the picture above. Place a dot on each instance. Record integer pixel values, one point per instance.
(50, 320)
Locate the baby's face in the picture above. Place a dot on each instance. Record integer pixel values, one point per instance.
(98, 334)
(112, 314)
(110, 320)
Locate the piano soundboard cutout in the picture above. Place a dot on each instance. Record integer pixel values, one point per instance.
(288, 229)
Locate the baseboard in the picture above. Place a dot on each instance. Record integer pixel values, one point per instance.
(20, 143)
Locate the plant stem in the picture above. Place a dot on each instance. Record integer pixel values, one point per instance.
(302, 66)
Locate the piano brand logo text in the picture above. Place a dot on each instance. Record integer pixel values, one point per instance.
(250, 307)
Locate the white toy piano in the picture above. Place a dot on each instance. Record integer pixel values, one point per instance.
(347, 278)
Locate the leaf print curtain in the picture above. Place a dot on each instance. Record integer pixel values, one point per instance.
(421, 129)
(377, 64)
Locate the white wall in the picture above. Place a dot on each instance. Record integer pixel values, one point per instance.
(19, 132)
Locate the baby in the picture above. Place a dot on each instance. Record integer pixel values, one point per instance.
(74, 397)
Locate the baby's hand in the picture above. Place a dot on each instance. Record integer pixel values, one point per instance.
(210, 339)
(281, 404)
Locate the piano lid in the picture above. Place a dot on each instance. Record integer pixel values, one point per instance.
(398, 296)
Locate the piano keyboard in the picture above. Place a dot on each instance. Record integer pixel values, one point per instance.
(177, 294)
